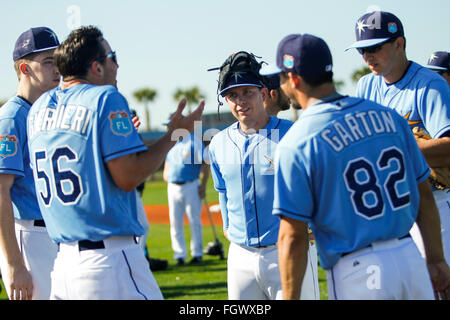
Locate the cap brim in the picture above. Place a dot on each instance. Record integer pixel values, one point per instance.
(367, 43)
(435, 67)
(240, 85)
(269, 69)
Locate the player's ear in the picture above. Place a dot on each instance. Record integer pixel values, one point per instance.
(294, 79)
(96, 69)
(265, 92)
(273, 93)
(24, 68)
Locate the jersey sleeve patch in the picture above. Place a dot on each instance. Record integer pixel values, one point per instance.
(8, 145)
(120, 123)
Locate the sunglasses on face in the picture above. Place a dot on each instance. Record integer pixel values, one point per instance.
(111, 55)
(375, 48)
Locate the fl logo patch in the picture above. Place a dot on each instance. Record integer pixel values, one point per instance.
(8, 146)
(120, 123)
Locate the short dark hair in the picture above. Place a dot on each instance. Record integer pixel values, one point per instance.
(75, 55)
(319, 80)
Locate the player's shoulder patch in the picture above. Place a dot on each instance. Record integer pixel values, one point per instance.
(8, 145)
(120, 123)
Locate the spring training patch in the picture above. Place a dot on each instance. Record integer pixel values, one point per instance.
(120, 123)
(8, 146)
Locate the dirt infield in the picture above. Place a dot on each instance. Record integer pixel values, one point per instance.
(160, 214)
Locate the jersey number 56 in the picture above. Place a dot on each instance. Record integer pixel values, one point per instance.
(65, 183)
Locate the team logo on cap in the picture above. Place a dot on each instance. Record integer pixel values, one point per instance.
(288, 61)
(120, 123)
(392, 27)
(8, 146)
(432, 57)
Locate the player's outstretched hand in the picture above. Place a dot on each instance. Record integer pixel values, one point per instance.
(21, 284)
(178, 121)
(440, 278)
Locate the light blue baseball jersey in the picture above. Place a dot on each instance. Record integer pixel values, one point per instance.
(14, 158)
(72, 134)
(185, 159)
(421, 96)
(349, 168)
(242, 168)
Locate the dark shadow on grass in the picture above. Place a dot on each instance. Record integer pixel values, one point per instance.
(172, 292)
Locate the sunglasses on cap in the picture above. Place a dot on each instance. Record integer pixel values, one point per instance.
(111, 55)
(375, 48)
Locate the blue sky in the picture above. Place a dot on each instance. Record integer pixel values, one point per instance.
(169, 44)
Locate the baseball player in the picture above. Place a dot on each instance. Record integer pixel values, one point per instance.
(87, 161)
(276, 100)
(439, 61)
(182, 169)
(352, 170)
(421, 96)
(27, 253)
(241, 158)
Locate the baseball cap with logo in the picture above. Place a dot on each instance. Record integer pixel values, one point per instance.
(35, 40)
(376, 27)
(305, 55)
(439, 60)
(241, 79)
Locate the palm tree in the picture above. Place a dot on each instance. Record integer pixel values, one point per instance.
(145, 96)
(192, 96)
(358, 73)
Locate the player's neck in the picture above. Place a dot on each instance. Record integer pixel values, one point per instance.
(397, 72)
(316, 94)
(28, 92)
(73, 82)
(254, 125)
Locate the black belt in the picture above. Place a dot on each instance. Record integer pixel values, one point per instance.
(39, 223)
(347, 253)
(181, 182)
(84, 245)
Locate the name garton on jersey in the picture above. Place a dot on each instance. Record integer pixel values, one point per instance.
(354, 127)
(71, 117)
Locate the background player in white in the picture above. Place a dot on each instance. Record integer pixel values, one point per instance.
(183, 166)
(241, 158)
(352, 170)
(276, 100)
(88, 160)
(27, 253)
(419, 95)
(439, 61)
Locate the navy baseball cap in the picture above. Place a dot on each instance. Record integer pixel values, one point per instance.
(376, 27)
(35, 40)
(305, 55)
(241, 79)
(439, 60)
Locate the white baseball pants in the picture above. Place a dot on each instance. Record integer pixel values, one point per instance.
(117, 272)
(185, 199)
(442, 198)
(254, 274)
(38, 252)
(386, 270)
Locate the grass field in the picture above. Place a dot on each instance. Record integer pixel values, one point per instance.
(207, 281)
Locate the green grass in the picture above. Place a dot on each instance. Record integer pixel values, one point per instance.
(207, 281)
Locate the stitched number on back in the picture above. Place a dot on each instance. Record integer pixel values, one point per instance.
(364, 183)
(66, 183)
(387, 160)
(40, 155)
